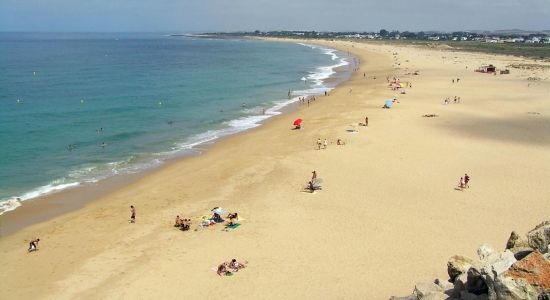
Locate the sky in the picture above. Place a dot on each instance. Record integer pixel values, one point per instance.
(238, 15)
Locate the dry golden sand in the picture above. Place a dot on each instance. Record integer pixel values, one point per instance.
(388, 215)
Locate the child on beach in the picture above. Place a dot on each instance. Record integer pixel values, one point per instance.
(325, 144)
(461, 183)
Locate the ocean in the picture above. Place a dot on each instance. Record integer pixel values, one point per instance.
(79, 108)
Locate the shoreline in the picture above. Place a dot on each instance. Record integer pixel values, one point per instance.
(58, 202)
(388, 213)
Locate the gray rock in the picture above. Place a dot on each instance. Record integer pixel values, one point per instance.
(515, 240)
(423, 289)
(481, 275)
(476, 283)
(445, 285)
(434, 296)
(521, 252)
(544, 295)
(518, 246)
(459, 285)
(539, 237)
(409, 297)
(484, 251)
(458, 265)
(498, 262)
(469, 296)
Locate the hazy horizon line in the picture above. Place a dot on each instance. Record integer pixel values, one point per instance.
(252, 30)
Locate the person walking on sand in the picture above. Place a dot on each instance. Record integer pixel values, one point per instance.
(313, 175)
(466, 180)
(366, 121)
(33, 245)
(319, 144)
(133, 216)
(325, 144)
(461, 183)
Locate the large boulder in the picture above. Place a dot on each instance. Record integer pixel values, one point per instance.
(539, 237)
(481, 275)
(518, 246)
(526, 279)
(493, 263)
(515, 240)
(457, 265)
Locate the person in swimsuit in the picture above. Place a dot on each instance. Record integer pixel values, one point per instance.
(232, 217)
(222, 269)
(33, 245)
(178, 222)
(235, 266)
(133, 216)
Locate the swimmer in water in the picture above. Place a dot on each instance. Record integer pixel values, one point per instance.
(103, 145)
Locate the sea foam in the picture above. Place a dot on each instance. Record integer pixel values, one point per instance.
(255, 117)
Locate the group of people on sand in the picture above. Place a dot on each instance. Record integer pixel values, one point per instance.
(323, 144)
(216, 218)
(182, 224)
(308, 100)
(464, 182)
(448, 100)
(227, 268)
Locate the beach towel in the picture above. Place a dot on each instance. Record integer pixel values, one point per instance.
(233, 226)
(215, 270)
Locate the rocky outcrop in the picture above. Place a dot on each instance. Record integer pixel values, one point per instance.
(539, 237)
(521, 271)
(526, 279)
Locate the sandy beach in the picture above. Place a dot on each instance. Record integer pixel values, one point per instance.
(388, 214)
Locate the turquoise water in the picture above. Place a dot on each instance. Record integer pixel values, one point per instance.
(144, 97)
